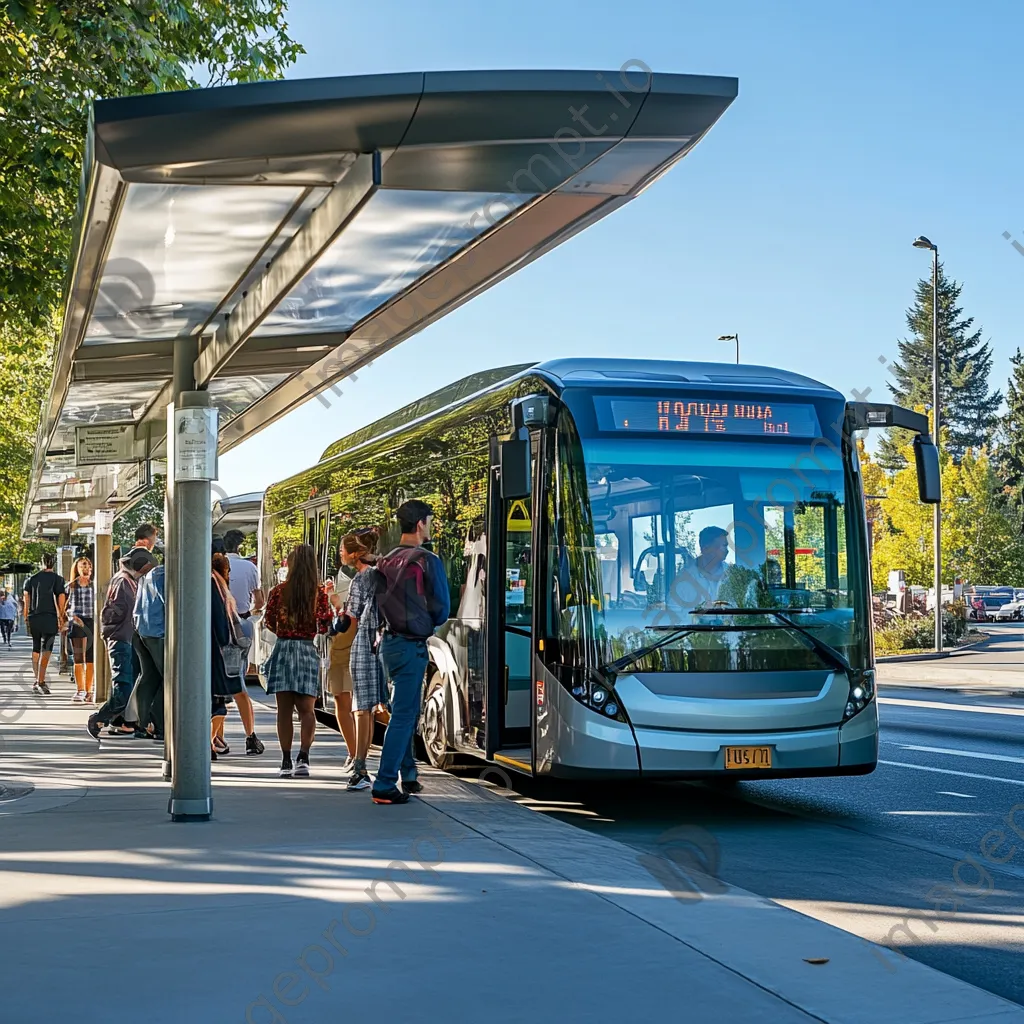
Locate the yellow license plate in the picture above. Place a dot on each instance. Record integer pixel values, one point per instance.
(748, 758)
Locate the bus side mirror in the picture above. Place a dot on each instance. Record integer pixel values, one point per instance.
(929, 478)
(514, 469)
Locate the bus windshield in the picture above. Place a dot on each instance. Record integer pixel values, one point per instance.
(678, 531)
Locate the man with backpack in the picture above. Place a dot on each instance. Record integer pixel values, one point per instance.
(413, 600)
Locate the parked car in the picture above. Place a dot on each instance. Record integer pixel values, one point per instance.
(1012, 611)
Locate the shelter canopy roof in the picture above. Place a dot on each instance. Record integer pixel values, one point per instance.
(290, 232)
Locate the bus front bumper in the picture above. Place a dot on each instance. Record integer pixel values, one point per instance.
(850, 749)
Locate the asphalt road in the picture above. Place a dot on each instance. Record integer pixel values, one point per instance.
(913, 845)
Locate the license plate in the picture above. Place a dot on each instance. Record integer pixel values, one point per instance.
(748, 758)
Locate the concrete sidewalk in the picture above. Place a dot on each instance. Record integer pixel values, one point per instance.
(303, 903)
(993, 668)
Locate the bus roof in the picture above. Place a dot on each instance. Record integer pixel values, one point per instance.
(589, 371)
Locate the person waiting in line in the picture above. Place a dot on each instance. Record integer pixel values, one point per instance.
(45, 601)
(116, 628)
(146, 706)
(297, 610)
(413, 600)
(244, 583)
(81, 615)
(339, 673)
(8, 616)
(368, 687)
(146, 536)
(234, 689)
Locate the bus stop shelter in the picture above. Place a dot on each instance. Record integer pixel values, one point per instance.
(240, 250)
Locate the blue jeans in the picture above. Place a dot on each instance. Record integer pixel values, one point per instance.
(122, 682)
(405, 662)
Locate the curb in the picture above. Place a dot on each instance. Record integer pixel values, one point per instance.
(832, 975)
(890, 659)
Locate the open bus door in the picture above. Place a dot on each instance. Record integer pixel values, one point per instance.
(510, 635)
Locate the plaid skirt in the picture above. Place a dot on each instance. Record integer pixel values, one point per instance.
(368, 686)
(293, 667)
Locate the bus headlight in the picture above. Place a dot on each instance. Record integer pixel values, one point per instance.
(862, 692)
(593, 690)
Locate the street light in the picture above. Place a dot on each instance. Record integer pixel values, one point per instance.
(923, 243)
(732, 337)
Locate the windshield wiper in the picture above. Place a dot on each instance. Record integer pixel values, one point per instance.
(827, 652)
(674, 633)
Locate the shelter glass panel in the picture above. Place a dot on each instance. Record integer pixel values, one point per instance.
(233, 395)
(177, 252)
(393, 241)
(108, 402)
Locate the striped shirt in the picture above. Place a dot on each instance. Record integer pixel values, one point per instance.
(81, 601)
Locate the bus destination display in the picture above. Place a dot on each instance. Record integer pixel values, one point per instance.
(707, 415)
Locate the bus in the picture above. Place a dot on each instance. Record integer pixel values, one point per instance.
(658, 570)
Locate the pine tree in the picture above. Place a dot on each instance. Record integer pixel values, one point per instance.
(1011, 441)
(965, 361)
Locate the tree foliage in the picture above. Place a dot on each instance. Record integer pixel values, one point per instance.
(55, 58)
(149, 509)
(1011, 441)
(965, 361)
(979, 540)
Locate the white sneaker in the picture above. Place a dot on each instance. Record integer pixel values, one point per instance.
(79, 697)
(37, 689)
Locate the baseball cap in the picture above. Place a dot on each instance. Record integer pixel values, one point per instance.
(138, 559)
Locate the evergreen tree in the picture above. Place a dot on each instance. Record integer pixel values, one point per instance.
(1011, 441)
(968, 408)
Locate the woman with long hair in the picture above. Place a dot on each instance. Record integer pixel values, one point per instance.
(368, 686)
(81, 611)
(297, 610)
(221, 579)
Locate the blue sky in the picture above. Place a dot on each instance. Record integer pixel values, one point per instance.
(857, 127)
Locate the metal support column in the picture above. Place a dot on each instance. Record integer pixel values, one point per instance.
(184, 356)
(101, 573)
(190, 649)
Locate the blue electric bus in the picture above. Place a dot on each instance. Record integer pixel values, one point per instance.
(658, 569)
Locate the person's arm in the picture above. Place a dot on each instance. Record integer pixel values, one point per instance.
(323, 612)
(270, 615)
(62, 607)
(440, 596)
(256, 601)
(113, 614)
(25, 603)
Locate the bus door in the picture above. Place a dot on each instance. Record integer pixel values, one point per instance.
(511, 616)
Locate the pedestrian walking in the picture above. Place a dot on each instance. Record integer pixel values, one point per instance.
(368, 690)
(45, 602)
(116, 628)
(297, 610)
(81, 620)
(244, 583)
(146, 705)
(233, 689)
(8, 616)
(413, 600)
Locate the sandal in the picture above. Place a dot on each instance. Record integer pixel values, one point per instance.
(220, 747)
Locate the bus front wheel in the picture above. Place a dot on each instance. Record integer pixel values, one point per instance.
(433, 724)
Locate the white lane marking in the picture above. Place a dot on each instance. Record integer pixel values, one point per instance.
(939, 814)
(963, 753)
(963, 796)
(979, 709)
(949, 771)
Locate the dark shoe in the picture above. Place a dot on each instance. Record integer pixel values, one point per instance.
(389, 796)
(92, 727)
(45, 689)
(301, 767)
(141, 734)
(253, 746)
(213, 754)
(221, 747)
(358, 781)
(286, 769)
(157, 737)
(412, 786)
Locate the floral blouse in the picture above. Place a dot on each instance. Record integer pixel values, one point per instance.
(275, 620)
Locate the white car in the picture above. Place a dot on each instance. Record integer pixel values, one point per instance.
(1012, 611)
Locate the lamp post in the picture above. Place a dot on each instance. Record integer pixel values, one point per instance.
(732, 337)
(923, 243)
